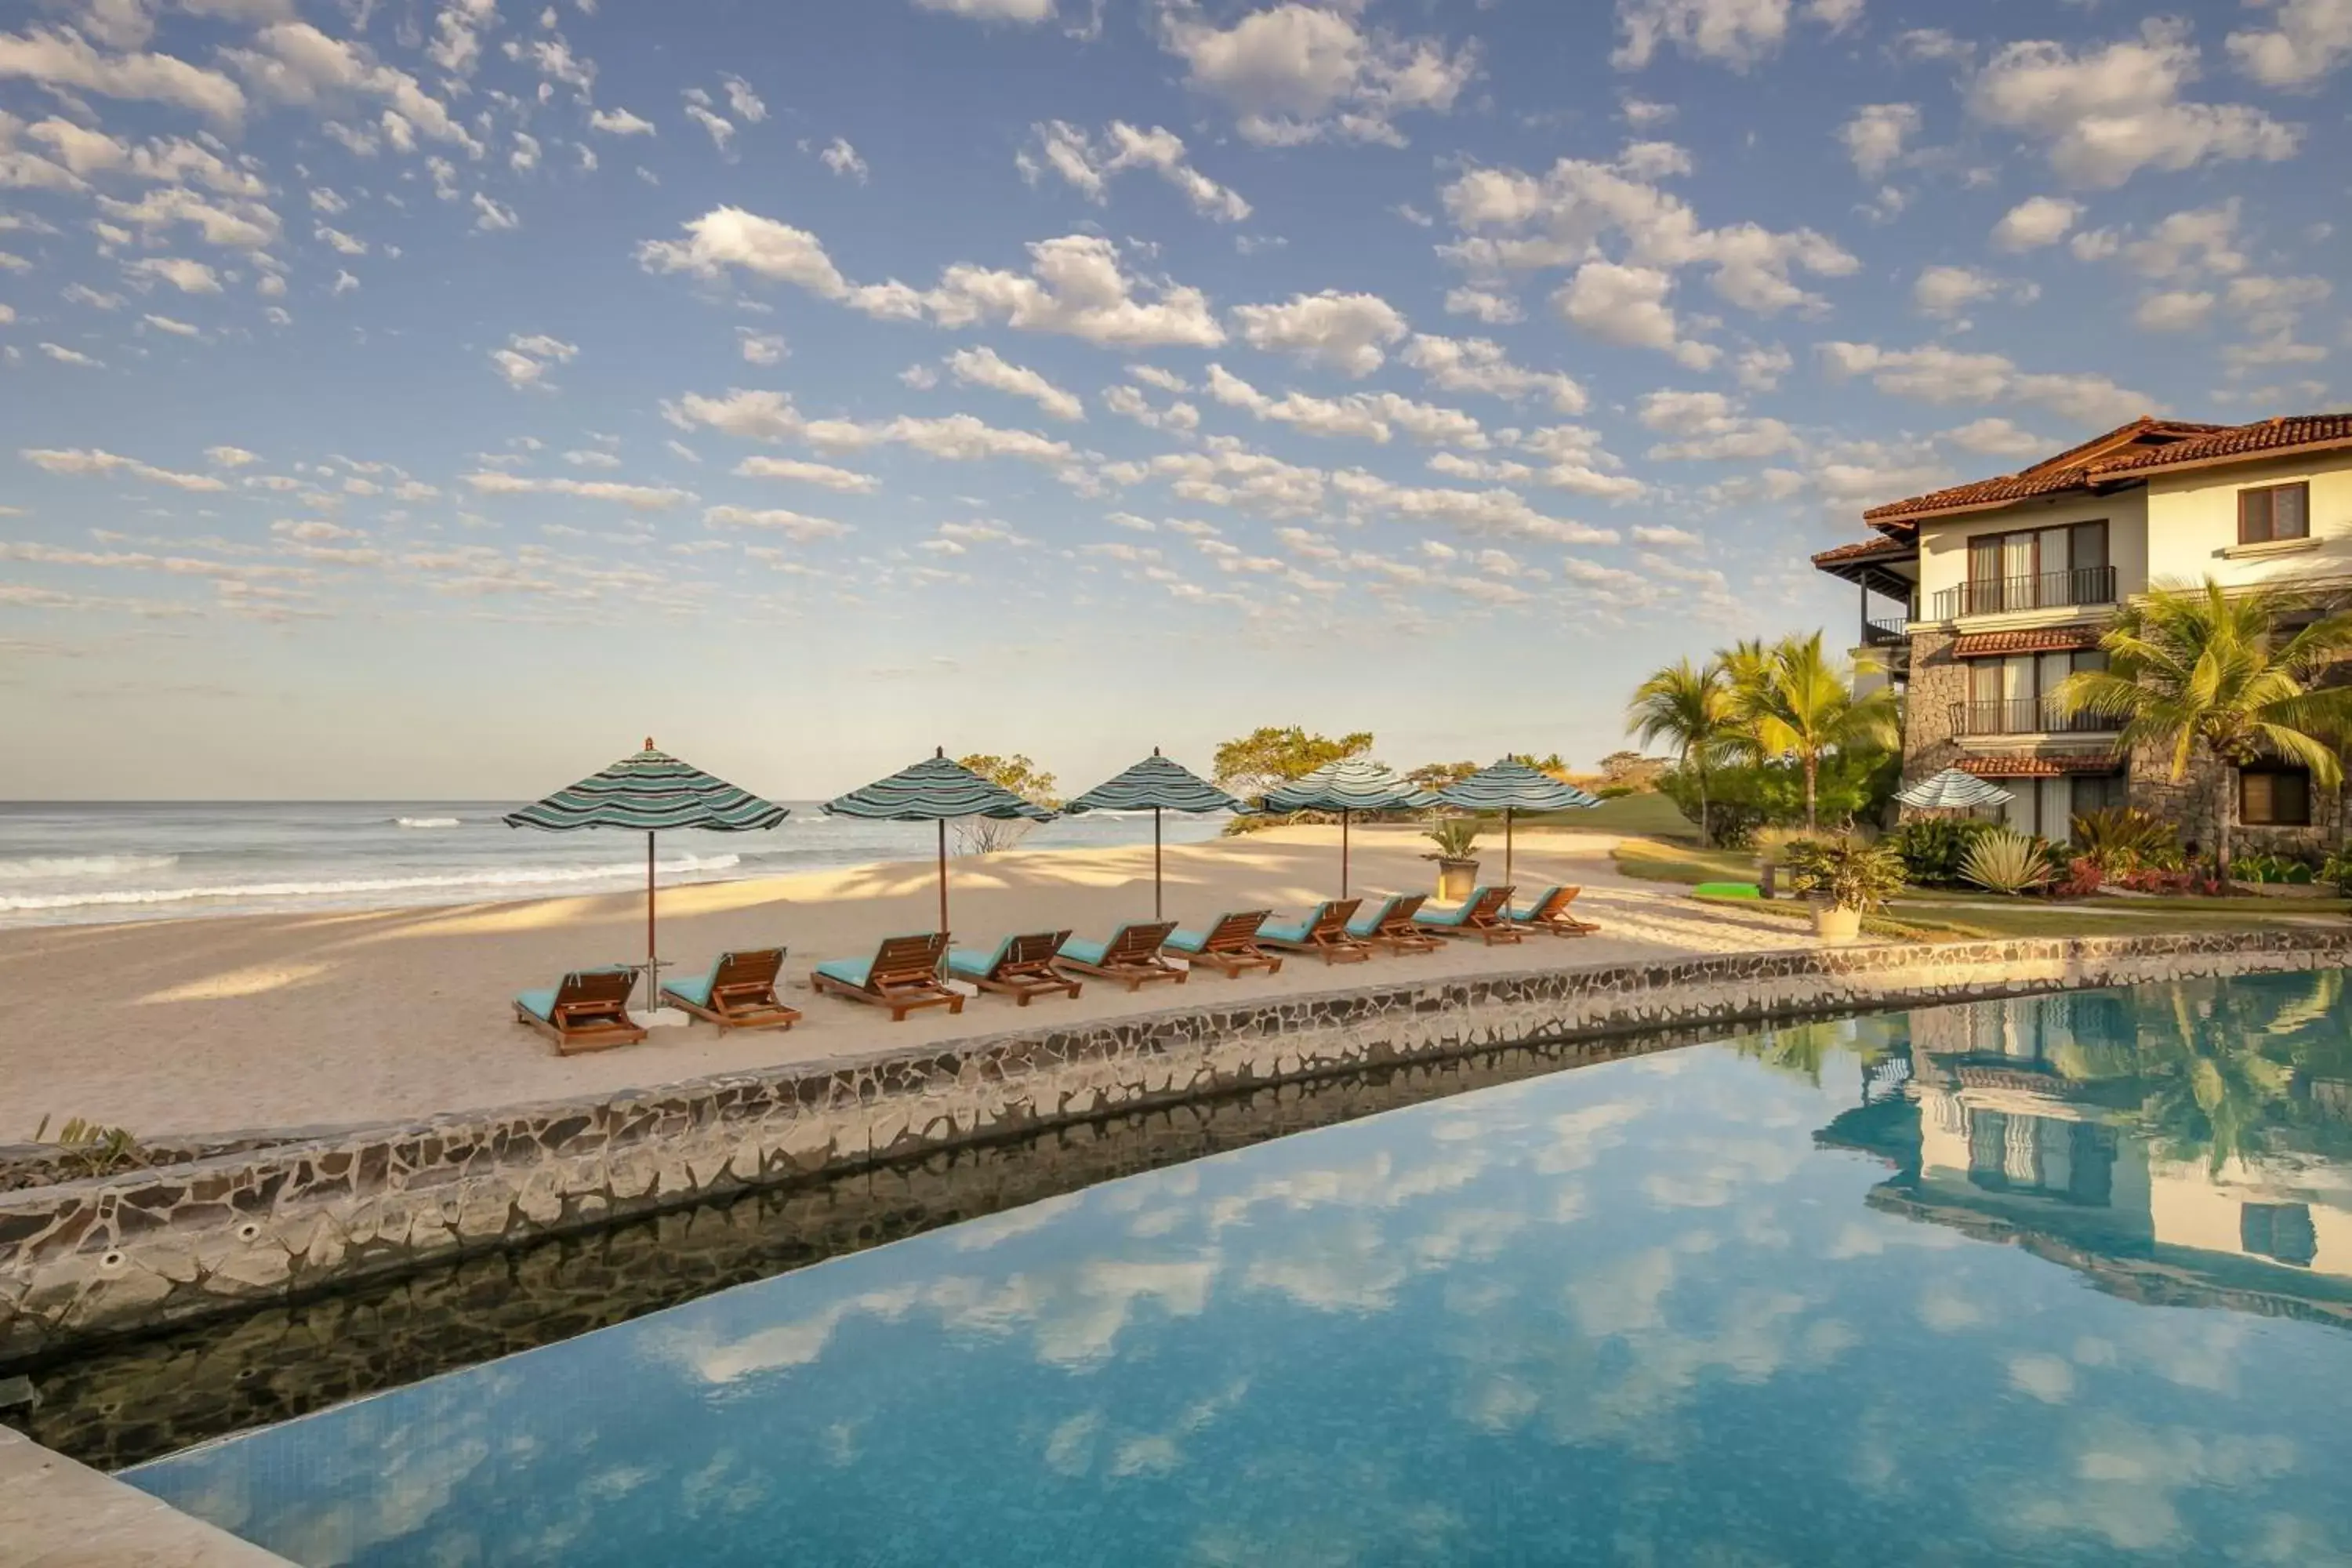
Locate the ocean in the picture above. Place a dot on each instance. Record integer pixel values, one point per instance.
(74, 863)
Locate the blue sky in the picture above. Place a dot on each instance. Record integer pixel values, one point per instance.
(437, 398)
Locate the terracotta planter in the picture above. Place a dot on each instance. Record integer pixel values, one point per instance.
(1832, 923)
(1457, 880)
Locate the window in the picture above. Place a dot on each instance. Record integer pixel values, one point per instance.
(2274, 511)
(2097, 792)
(2067, 565)
(2274, 797)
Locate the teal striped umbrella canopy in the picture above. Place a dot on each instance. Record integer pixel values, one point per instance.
(1348, 786)
(1509, 786)
(934, 790)
(1953, 790)
(651, 792)
(1155, 784)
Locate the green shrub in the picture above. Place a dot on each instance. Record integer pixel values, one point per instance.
(1613, 792)
(2121, 839)
(1932, 847)
(2002, 861)
(1852, 872)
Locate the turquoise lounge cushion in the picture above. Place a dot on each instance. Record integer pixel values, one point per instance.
(1527, 911)
(538, 1004)
(1285, 931)
(1081, 952)
(1187, 940)
(972, 963)
(848, 970)
(1370, 921)
(694, 988)
(1452, 917)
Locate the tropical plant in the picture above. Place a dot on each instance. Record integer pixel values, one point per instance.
(2121, 839)
(1554, 763)
(1852, 872)
(2006, 861)
(988, 834)
(2083, 877)
(1688, 707)
(2195, 668)
(1256, 762)
(2337, 869)
(1932, 847)
(89, 1149)
(1801, 704)
(1456, 838)
(1440, 775)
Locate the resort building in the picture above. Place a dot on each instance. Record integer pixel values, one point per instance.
(1979, 599)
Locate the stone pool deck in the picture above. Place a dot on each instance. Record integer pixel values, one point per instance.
(54, 1514)
(265, 1218)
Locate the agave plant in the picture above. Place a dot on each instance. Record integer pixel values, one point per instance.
(1852, 872)
(1456, 838)
(2004, 861)
(2121, 839)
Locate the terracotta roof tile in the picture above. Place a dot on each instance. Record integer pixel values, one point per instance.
(2120, 454)
(1982, 493)
(2048, 640)
(2238, 441)
(2018, 765)
(1867, 549)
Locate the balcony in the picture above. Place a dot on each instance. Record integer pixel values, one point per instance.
(1885, 631)
(2023, 716)
(2038, 591)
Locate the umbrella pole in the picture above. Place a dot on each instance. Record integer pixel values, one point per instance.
(1343, 853)
(653, 969)
(1155, 862)
(1507, 845)
(943, 873)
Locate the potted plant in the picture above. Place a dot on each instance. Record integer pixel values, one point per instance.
(1846, 876)
(1457, 839)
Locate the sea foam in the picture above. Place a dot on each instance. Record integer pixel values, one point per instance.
(492, 882)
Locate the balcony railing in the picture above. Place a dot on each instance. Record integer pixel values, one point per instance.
(2022, 716)
(1885, 631)
(2038, 591)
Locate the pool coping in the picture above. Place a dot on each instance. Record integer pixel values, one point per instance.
(139, 1249)
(56, 1513)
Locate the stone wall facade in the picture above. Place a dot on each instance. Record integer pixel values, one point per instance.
(103, 1256)
(1939, 683)
(2189, 804)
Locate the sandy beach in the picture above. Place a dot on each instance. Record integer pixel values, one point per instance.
(266, 1021)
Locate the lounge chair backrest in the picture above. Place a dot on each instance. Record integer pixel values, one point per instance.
(1237, 930)
(1136, 943)
(1399, 915)
(1490, 904)
(595, 988)
(1031, 949)
(904, 958)
(1554, 900)
(1334, 917)
(756, 969)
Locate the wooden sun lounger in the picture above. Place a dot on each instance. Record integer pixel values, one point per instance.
(1485, 916)
(1391, 926)
(1132, 957)
(1325, 933)
(740, 992)
(1229, 947)
(588, 1012)
(1021, 967)
(902, 975)
(1549, 914)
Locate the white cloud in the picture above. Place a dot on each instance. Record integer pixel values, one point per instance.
(770, 416)
(524, 360)
(493, 217)
(741, 101)
(620, 122)
(1711, 428)
(842, 159)
(1345, 333)
(1020, 11)
(1297, 72)
(825, 474)
(1735, 33)
(1998, 437)
(1943, 375)
(1070, 151)
(1495, 513)
(722, 130)
(2108, 113)
(296, 63)
(983, 367)
(2313, 38)
(2035, 222)
(1165, 380)
(1628, 305)
(87, 462)
(178, 329)
(188, 277)
(798, 527)
(63, 60)
(729, 237)
(2174, 311)
(1873, 138)
(1760, 369)
(1660, 533)
(231, 457)
(636, 498)
(75, 357)
(1491, 306)
(1481, 364)
(1128, 403)
(760, 348)
(242, 225)
(1946, 291)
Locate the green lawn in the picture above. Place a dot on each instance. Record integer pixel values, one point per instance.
(1686, 863)
(1650, 814)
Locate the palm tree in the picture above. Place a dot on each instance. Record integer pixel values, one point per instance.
(1745, 666)
(1801, 704)
(2192, 667)
(1689, 707)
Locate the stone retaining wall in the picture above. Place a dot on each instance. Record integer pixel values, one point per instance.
(85, 1259)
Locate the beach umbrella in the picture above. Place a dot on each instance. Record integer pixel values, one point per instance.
(647, 794)
(1157, 783)
(1509, 786)
(1953, 790)
(1348, 786)
(934, 790)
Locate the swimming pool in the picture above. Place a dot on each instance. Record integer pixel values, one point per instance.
(2063, 1277)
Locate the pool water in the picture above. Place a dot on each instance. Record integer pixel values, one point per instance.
(2061, 1280)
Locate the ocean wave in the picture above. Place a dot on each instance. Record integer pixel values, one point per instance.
(511, 878)
(425, 822)
(84, 865)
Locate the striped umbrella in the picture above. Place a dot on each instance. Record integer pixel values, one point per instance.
(646, 794)
(934, 790)
(1510, 786)
(1157, 783)
(1953, 790)
(1348, 786)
